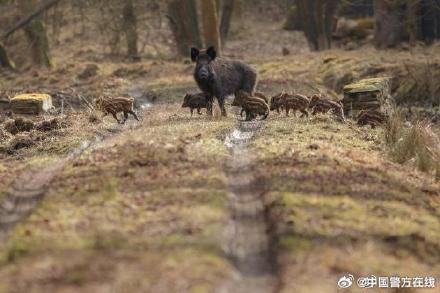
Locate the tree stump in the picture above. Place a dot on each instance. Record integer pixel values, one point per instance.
(31, 104)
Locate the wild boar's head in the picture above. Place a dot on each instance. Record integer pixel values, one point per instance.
(314, 100)
(98, 102)
(203, 58)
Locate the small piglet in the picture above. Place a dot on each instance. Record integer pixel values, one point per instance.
(195, 101)
(252, 105)
(296, 102)
(371, 117)
(116, 105)
(320, 104)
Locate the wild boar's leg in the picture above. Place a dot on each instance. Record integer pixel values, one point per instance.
(116, 117)
(294, 112)
(134, 115)
(304, 113)
(209, 102)
(198, 111)
(221, 102)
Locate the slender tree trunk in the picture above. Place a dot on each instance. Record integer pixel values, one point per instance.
(4, 59)
(184, 24)
(414, 24)
(390, 28)
(430, 20)
(293, 22)
(317, 18)
(37, 37)
(218, 7)
(210, 22)
(130, 30)
(226, 17)
(238, 8)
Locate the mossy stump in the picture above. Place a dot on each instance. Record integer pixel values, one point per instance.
(367, 94)
(31, 104)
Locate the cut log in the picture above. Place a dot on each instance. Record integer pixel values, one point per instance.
(31, 104)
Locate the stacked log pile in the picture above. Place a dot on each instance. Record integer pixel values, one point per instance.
(367, 94)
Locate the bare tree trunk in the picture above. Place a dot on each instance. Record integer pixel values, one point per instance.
(413, 20)
(430, 20)
(24, 21)
(390, 23)
(238, 8)
(293, 22)
(184, 24)
(130, 29)
(211, 30)
(317, 18)
(4, 59)
(37, 37)
(225, 23)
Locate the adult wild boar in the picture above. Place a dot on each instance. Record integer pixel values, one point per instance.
(220, 78)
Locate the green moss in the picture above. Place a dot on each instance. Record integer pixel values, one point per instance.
(331, 216)
(367, 85)
(295, 244)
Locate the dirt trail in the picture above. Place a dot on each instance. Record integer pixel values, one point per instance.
(249, 244)
(30, 187)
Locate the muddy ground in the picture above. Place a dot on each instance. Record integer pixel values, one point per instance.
(144, 209)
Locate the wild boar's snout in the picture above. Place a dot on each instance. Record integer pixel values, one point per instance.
(203, 73)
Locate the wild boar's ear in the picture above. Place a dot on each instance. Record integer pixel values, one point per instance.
(194, 54)
(211, 53)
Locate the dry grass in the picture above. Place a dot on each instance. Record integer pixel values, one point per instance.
(417, 144)
(340, 206)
